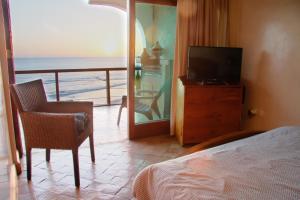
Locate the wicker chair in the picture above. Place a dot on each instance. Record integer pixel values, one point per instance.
(52, 125)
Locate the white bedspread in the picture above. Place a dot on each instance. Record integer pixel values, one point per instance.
(265, 166)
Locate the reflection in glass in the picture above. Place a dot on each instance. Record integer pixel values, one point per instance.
(154, 61)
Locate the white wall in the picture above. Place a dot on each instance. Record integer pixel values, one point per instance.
(269, 32)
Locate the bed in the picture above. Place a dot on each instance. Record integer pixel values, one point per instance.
(264, 166)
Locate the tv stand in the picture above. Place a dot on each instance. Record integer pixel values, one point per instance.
(213, 82)
(206, 111)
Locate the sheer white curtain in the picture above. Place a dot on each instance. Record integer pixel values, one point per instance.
(4, 153)
(199, 22)
(7, 142)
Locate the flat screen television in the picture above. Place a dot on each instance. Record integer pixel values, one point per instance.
(214, 64)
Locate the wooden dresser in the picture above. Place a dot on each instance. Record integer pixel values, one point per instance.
(206, 111)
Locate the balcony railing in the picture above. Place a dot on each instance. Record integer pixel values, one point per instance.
(57, 72)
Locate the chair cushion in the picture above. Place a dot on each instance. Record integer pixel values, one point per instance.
(81, 121)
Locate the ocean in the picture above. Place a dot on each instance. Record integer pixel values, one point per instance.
(81, 86)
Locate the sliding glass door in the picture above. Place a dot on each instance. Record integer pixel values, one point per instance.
(152, 43)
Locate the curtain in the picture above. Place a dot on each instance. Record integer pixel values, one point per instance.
(8, 76)
(4, 153)
(199, 22)
(11, 70)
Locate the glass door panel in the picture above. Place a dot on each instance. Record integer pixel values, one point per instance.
(155, 27)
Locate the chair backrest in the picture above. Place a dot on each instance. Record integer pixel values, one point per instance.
(28, 96)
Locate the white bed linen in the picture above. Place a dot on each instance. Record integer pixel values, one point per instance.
(265, 166)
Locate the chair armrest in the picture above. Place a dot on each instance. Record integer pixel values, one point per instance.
(67, 107)
(71, 107)
(52, 129)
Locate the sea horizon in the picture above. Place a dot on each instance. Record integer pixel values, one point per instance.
(53, 62)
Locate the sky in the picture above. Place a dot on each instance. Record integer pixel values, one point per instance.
(67, 28)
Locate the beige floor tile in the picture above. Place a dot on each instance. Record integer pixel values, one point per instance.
(118, 160)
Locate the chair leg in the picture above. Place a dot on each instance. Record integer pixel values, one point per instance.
(76, 166)
(155, 108)
(119, 116)
(28, 163)
(91, 138)
(19, 145)
(47, 155)
(16, 124)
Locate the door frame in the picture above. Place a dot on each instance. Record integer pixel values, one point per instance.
(157, 127)
(131, 68)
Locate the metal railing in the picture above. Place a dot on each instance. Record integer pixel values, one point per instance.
(57, 71)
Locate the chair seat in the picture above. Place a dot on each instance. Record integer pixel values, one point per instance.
(142, 108)
(81, 121)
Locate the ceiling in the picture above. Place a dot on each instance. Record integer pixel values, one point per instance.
(122, 3)
(115, 3)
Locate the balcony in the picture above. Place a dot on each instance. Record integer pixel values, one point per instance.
(103, 86)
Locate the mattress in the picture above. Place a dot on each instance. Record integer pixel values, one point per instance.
(265, 166)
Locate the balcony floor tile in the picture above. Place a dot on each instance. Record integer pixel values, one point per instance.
(118, 160)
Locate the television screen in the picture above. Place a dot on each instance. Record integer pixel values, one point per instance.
(219, 64)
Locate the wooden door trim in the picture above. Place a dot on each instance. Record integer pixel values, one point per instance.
(131, 67)
(152, 129)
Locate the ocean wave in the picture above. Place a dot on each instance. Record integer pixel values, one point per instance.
(70, 78)
(66, 93)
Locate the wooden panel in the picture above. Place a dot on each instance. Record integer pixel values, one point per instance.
(208, 111)
(131, 68)
(152, 129)
(212, 94)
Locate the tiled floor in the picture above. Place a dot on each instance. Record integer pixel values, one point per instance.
(118, 161)
(4, 179)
